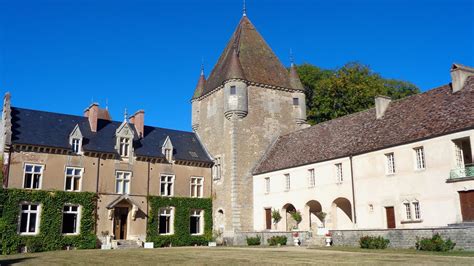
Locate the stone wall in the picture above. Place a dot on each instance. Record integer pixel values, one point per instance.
(240, 238)
(406, 238)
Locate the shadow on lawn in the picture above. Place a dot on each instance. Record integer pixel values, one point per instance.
(13, 261)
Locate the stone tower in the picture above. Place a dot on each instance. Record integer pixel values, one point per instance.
(249, 99)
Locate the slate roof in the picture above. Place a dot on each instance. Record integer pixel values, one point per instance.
(53, 129)
(258, 62)
(434, 113)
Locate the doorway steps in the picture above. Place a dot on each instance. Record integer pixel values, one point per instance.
(126, 244)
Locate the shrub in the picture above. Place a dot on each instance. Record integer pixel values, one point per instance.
(275, 240)
(373, 242)
(276, 216)
(253, 241)
(435, 243)
(296, 215)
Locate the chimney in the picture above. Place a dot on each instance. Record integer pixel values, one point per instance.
(138, 120)
(92, 112)
(459, 75)
(381, 105)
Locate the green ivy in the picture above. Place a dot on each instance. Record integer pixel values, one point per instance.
(183, 207)
(49, 236)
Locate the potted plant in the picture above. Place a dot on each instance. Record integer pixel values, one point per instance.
(276, 217)
(105, 236)
(296, 215)
(296, 240)
(328, 239)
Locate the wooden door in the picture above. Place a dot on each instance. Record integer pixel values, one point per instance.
(467, 205)
(268, 218)
(120, 222)
(390, 212)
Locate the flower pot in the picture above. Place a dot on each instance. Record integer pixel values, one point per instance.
(328, 240)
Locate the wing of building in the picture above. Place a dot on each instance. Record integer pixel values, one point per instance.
(403, 164)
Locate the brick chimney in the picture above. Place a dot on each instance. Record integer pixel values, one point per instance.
(381, 105)
(92, 112)
(459, 75)
(138, 120)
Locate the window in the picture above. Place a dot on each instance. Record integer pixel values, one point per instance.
(122, 182)
(70, 219)
(459, 155)
(267, 184)
(216, 169)
(420, 158)
(76, 145)
(390, 163)
(73, 179)
(124, 147)
(407, 210)
(166, 222)
(196, 223)
(168, 155)
(416, 207)
(339, 172)
(29, 218)
(287, 182)
(33, 174)
(311, 181)
(166, 185)
(296, 101)
(233, 90)
(196, 187)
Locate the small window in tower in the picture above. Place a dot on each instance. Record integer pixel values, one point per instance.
(233, 90)
(296, 101)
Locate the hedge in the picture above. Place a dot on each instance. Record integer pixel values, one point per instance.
(49, 236)
(183, 207)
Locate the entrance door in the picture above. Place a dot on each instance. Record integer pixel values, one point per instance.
(120, 222)
(390, 212)
(268, 218)
(467, 205)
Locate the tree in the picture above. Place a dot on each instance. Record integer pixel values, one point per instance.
(346, 90)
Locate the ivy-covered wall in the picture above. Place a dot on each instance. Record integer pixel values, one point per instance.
(49, 236)
(183, 207)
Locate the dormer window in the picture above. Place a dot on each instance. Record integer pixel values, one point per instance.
(167, 150)
(124, 147)
(168, 155)
(76, 145)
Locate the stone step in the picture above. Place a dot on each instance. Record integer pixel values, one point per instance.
(127, 244)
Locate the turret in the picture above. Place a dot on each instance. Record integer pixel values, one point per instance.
(195, 103)
(235, 88)
(299, 97)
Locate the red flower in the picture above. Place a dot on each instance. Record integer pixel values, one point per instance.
(328, 234)
(295, 234)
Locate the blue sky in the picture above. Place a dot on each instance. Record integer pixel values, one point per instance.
(60, 55)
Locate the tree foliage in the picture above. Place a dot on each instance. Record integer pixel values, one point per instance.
(349, 89)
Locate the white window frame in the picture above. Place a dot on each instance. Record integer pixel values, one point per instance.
(78, 218)
(124, 146)
(76, 145)
(200, 214)
(420, 161)
(311, 178)
(73, 176)
(196, 185)
(266, 181)
(407, 208)
(390, 164)
(167, 193)
(416, 210)
(287, 182)
(163, 212)
(33, 165)
(123, 180)
(29, 212)
(339, 174)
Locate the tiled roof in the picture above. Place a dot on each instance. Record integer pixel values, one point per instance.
(48, 129)
(433, 113)
(258, 62)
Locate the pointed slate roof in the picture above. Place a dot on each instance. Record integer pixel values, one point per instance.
(257, 60)
(295, 81)
(200, 85)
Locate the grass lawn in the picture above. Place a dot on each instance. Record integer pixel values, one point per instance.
(228, 255)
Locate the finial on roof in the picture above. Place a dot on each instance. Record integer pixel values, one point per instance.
(202, 66)
(125, 114)
(106, 104)
(292, 59)
(244, 10)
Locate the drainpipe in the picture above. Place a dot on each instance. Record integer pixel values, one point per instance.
(353, 192)
(97, 192)
(147, 195)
